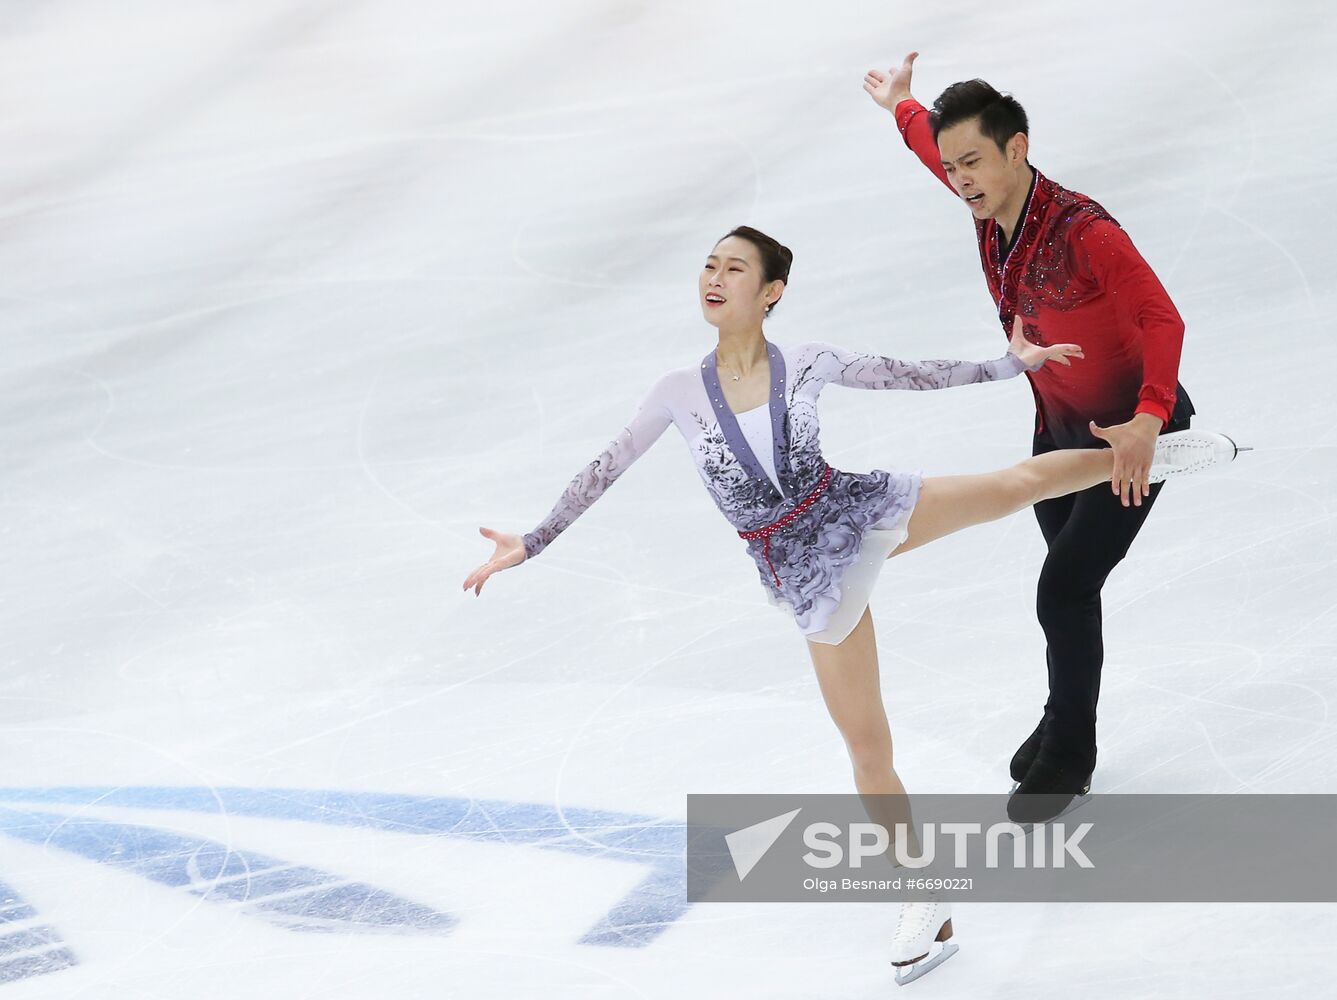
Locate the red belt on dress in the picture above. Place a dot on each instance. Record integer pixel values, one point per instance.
(788, 519)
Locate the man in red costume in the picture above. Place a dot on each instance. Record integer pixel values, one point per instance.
(1060, 260)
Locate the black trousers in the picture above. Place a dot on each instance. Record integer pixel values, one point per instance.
(1088, 534)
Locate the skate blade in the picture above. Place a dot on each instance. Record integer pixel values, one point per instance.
(1077, 802)
(921, 968)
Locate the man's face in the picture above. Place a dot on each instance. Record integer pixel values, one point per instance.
(985, 176)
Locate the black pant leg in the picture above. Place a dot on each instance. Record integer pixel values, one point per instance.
(1051, 515)
(1093, 540)
(1088, 534)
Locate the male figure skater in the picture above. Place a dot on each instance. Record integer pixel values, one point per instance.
(1061, 261)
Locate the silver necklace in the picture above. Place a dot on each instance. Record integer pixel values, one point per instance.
(719, 363)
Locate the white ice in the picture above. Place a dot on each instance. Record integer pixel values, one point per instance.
(298, 295)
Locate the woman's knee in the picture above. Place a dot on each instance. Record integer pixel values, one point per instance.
(869, 749)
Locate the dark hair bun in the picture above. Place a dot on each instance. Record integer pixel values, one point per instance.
(776, 258)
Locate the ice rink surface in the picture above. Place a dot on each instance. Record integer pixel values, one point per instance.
(299, 295)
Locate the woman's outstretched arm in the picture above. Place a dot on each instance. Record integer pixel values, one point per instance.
(874, 371)
(652, 417)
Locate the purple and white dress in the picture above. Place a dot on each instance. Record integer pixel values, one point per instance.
(814, 555)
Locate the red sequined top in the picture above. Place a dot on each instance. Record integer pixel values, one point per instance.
(1075, 277)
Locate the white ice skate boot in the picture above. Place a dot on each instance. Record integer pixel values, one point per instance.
(919, 926)
(1182, 452)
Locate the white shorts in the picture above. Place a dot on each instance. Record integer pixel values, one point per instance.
(857, 584)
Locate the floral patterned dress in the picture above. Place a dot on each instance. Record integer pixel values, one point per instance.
(810, 555)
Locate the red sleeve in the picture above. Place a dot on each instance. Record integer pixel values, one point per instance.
(912, 120)
(1108, 254)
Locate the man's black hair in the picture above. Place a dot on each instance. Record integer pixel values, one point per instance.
(1000, 115)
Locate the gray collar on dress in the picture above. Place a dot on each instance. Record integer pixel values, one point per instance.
(733, 436)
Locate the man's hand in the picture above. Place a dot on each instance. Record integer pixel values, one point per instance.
(893, 86)
(1134, 445)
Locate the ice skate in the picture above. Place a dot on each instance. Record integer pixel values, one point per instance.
(1051, 789)
(1025, 755)
(1182, 452)
(917, 928)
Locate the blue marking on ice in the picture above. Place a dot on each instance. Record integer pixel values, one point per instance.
(28, 950)
(634, 921)
(196, 864)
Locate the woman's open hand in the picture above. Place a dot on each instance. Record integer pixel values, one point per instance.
(1032, 355)
(510, 551)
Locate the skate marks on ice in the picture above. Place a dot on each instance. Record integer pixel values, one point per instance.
(298, 897)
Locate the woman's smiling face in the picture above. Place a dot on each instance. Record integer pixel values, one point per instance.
(732, 287)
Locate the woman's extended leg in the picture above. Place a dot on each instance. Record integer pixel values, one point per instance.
(950, 503)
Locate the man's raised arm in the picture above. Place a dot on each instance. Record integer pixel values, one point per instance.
(891, 90)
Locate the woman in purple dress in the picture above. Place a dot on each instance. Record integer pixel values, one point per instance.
(818, 536)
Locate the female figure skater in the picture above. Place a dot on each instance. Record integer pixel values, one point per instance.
(818, 535)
